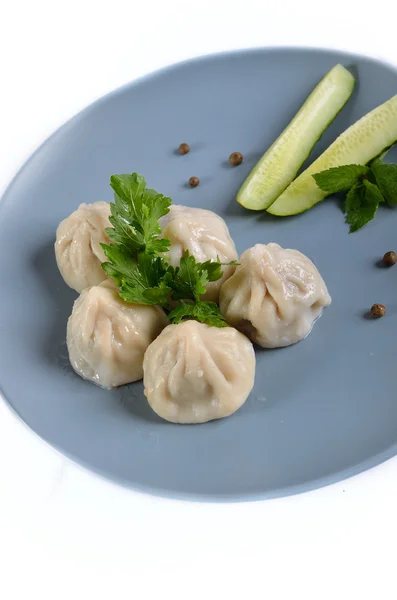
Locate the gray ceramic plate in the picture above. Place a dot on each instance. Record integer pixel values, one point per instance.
(321, 410)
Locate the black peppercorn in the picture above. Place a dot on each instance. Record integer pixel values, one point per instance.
(183, 148)
(236, 158)
(194, 181)
(378, 310)
(390, 258)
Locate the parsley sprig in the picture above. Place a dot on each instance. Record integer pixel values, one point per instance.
(366, 187)
(135, 215)
(137, 262)
(189, 282)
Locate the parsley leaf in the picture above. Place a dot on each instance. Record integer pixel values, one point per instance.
(361, 204)
(340, 179)
(135, 214)
(386, 179)
(151, 295)
(136, 261)
(141, 280)
(188, 282)
(191, 278)
(205, 312)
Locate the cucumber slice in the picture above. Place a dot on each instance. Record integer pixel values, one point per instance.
(282, 161)
(368, 138)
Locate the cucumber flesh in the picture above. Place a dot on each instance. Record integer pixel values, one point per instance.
(282, 161)
(368, 138)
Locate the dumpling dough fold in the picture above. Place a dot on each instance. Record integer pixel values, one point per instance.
(205, 235)
(107, 338)
(194, 373)
(274, 296)
(77, 247)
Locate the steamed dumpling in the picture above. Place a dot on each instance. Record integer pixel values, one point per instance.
(274, 296)
(205, 235)
(77, 247)
(107, 337)
(195, 373)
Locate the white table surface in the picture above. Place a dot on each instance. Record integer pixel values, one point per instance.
(66, 533)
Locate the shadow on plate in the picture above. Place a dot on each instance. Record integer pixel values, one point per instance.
(234, 209)
(53, 341)
(132, 399)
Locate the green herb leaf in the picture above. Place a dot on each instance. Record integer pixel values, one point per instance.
(136, 260)
(154, 295)
(210, 313)
(135, 214)
(141, 280)
(353, 202)
(386, 178)
(340, 179)
(191, 278)
(205, 312)
(361, 204)
(232, 262)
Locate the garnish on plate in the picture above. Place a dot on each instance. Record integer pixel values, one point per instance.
(236, 158)
(188, 283)
(194, 181)
(378, 311)
(367, 139)
(184, 148)
(135, 215)
(137, 259)
(282, 161)
(366, 187)
(390, 258)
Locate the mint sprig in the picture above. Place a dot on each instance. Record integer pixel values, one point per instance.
(361, 204)
(386, 179)
(366, 187)
(340, 179)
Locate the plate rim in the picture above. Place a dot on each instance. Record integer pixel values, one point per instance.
(162, 492)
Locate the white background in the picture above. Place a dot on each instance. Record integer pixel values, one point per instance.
(65, 533)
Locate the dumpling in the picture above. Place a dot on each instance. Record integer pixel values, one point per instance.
(107, 338)
(195, 373)
(274, 296)
(77, 248)
(205, 235)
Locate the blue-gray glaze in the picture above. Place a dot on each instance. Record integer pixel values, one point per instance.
(321, 410)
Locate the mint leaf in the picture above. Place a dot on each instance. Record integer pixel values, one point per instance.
(353, 202)
(386, 178)
(361, 204)
(205, 312)
(340, 179)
